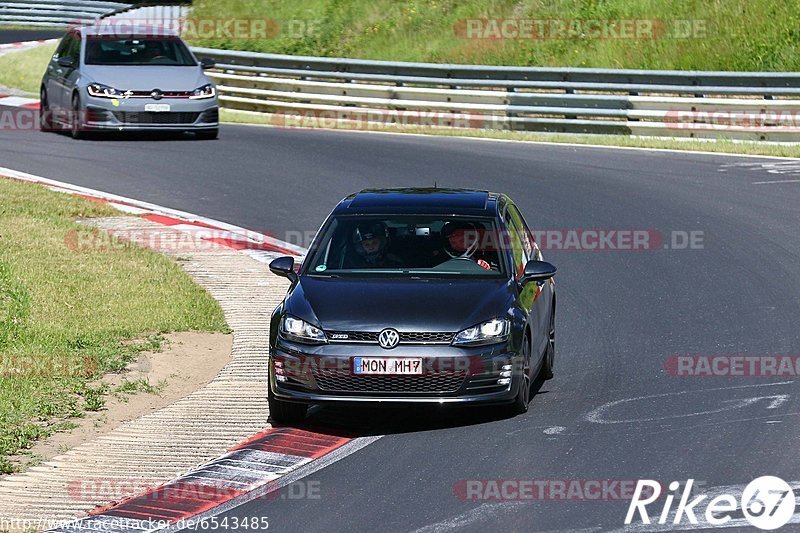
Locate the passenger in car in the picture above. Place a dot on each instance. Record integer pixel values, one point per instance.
(371, 242)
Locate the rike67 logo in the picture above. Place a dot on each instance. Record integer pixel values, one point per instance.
(767, 502)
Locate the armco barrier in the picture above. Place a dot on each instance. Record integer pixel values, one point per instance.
(55, 13)
(738, 105)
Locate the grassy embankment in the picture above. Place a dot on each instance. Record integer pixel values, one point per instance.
(738, 34)
(69, 316)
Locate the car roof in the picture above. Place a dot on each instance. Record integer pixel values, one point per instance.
(422, 200)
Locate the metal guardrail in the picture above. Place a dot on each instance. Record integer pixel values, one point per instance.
(297, 90)
(55, 13)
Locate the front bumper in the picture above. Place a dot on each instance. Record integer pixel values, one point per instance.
(451, 375)
(131, 114)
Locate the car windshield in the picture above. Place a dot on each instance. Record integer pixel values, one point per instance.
(138, 51)
(408, 246)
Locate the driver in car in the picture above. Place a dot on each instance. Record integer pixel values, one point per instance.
(371, 241)
(462, 241)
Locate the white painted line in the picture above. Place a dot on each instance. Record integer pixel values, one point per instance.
(17, 101)
(774, 181)
(597, 415)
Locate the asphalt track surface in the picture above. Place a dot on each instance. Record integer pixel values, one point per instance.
(621, 314)
(22, 35)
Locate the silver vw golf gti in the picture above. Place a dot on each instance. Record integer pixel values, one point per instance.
(101, 79)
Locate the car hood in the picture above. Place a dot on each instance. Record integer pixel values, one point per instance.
(146, 77)
(435, 305)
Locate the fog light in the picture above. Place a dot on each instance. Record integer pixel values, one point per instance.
(504, 381)
(280, 378)
(505, 367)
(506, 374)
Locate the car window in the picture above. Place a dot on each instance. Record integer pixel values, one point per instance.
(408, 245)
(74, 51)
(138, 51)
(526, 239)
(64, 46)
(516, 239)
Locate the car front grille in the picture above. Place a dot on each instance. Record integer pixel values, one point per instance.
(431, 383)
(147, 117)
(412, 337)
(422, 337)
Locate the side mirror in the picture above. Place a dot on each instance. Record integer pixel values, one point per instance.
(206, 63)
(65, 62)
(284, 267)
(537, 271)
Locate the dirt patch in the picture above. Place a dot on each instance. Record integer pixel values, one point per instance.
(188, 361)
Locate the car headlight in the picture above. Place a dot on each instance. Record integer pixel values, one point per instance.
(104, 91)
(490, 332)
(301, 331)
(206, 91)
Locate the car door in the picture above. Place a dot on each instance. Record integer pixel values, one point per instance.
(535, 298)
(54, 80)
(71, 75)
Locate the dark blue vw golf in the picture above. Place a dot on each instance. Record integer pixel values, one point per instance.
(422, 295)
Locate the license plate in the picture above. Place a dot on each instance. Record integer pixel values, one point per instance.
(156, 107)
(387, 365)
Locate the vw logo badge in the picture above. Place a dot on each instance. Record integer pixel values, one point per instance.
(388, 338)
(156, 94)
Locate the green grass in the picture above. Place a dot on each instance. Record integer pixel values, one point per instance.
(68, 316)
(721, 146)
(739, 34)
(24, 70)
(129, 387)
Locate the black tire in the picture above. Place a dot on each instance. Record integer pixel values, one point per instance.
(76, 128)
(283, 412)
(550, 352)
(520, 405)
(45, 115)
(207, 135)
